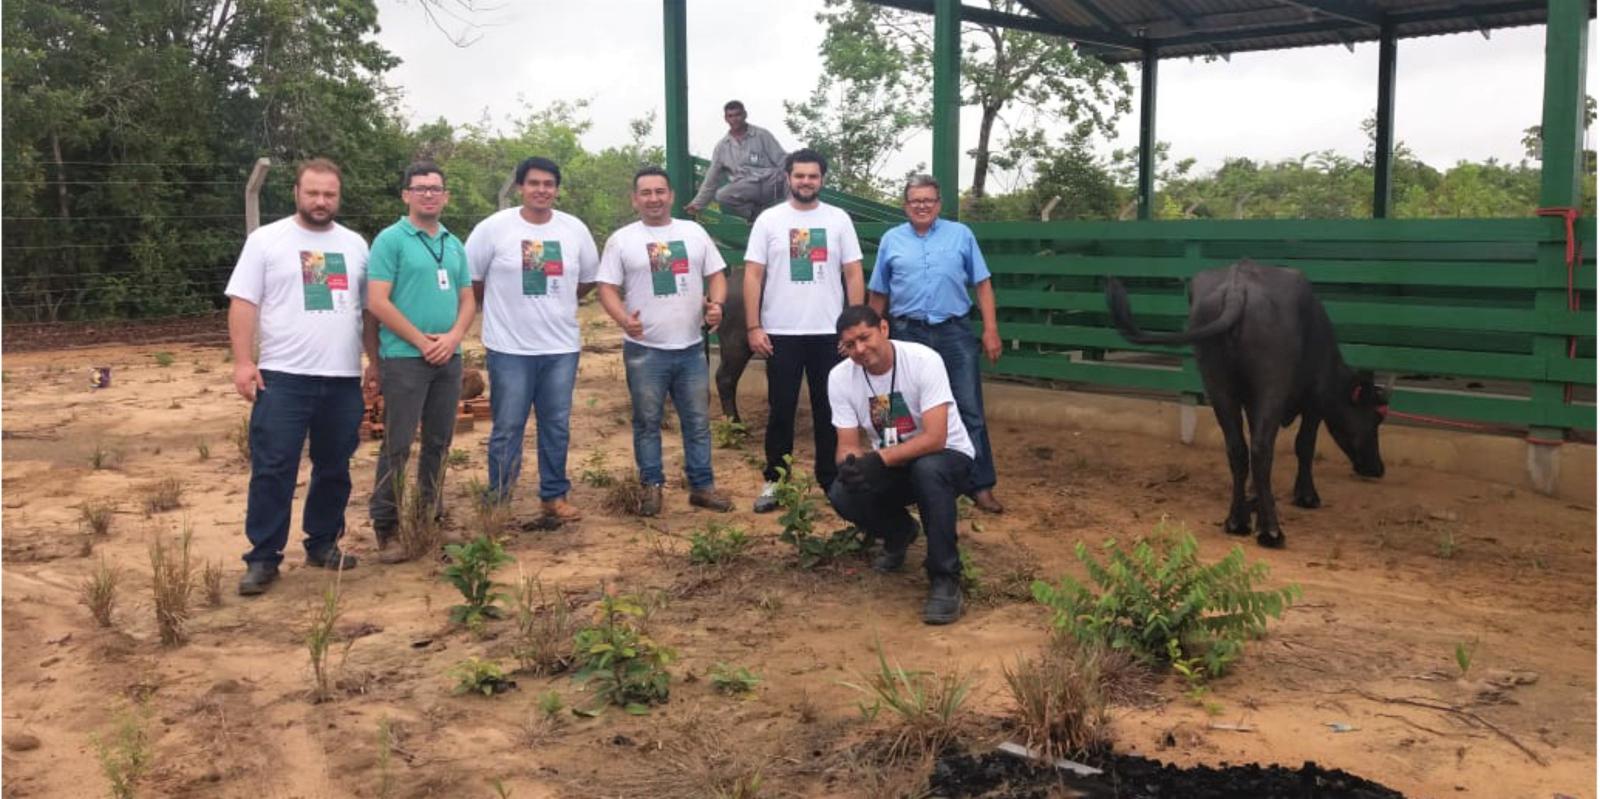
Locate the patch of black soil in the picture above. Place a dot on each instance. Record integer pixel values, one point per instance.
(997, 775)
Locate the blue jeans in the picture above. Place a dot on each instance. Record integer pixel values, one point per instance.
(652, 375)
(958, 347)
(543, 382)
(328, 409)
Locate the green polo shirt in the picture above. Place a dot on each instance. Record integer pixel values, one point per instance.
(411, 260)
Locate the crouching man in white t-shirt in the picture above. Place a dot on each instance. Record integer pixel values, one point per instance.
(895, 396)
(301, 283)
(670, 275)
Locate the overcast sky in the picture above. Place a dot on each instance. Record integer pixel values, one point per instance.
(1460, 97)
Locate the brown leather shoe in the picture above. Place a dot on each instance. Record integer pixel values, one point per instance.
(986, 502)
(710, 499)
(650, 503)
(561, 510)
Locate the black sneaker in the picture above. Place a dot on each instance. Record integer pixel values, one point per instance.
(257, 576)
(890, 559)
(334, 558)
(944, 601)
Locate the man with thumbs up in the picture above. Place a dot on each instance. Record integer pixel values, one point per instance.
(661, 279)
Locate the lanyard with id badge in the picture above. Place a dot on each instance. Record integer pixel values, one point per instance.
(891, 417)
(438, 260)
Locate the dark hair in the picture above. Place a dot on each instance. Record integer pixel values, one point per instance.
(419, 169)
(647, 171)
(732, 105)
(541, 164)
(857, 315)
(318, 165)
(804, 155)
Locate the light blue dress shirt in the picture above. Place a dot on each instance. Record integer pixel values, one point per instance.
(926, 276)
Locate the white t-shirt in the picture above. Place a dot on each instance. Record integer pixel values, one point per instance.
(530, 275)
(889, 407)
(662, 272)
(802, 252)
(310, 286)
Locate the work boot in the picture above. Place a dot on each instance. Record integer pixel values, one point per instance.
(984, 499)
(560, 510)
(767, 500)
(334, 558)
(650, 505)
(893, 555)
(944, 600)
(709, 499)
(257, 576)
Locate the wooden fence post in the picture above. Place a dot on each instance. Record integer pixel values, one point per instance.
(252, 195)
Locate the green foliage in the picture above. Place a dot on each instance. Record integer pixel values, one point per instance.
(717, 543)
(1142, 598)
(457, 458)
(474, 676)
(124, 754)
(618, 661)
(925, 708)
(726, 679)
(1464, 653)
(320, 635)
(164, 359)
(728, 434)
(971, 575)
(799, 519)
(596, 472)
(471, 571)
(550, 704)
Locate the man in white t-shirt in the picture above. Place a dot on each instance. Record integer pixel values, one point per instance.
(670, 275)
(300, 283)
(895, 396)
(802, 266)
(529, 266)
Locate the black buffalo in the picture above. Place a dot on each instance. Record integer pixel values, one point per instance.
(1265, 346)
(733, 344)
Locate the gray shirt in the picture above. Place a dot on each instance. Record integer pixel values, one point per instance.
(753, 158)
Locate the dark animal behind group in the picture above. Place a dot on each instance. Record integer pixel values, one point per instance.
(1267, 353)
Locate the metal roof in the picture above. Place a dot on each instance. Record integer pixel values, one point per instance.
(1120, 30)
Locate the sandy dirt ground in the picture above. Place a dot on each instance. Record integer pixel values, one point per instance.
(1395, 574)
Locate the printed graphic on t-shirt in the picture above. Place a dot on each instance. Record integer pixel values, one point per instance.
(891, 418)
(808, 251)
(669, 267)
(324, 280)
(541, 260)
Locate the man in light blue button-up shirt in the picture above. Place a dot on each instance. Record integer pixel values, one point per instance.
(920, 282)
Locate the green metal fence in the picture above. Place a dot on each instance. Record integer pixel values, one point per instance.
(1472, 314)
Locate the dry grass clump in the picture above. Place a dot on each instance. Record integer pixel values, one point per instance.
(100, 592)
(625, 497)
(925, 713)
(545, 626)
(419, 534)
(96, 517)
(1061, 696)
(211, 582)
(166, 494)
(172, 580)
(319, 638)
(241, 437)
(693, 759)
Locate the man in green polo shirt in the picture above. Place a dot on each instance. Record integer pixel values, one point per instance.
(420, 291)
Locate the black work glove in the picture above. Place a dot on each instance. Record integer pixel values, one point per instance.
(863, 473)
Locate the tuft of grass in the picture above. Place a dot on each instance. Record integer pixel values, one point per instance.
(202, 449)
(103, 457)
(386, 745)
(726, 679)
(320, 635)
(211, 582)
(625, 496)
(925, 709)
(241, 437)
(166, 494)
(1059, 698)
(172, 580)
(458, 458)
(1448, 546)
(124, 753)
(164, 359)
(419, 533)
(543, 642)
(1464, 653)
(100, 592)
(716, 544)
(96, 517)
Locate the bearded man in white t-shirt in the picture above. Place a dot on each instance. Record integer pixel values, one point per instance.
(895, 397)
(802, 266)
(661, 280)
(301, 283)
(530, 265)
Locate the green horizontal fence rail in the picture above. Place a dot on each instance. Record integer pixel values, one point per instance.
(1453, 307)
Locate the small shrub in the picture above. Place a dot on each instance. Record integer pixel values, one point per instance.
(471, 571)
(418, 533)
(96, 517)
(319, 638)
(595, 471)
(164, 359)
(625, 497)
(799, 518)
(1060, 703)
(166, 494)
(618, 661)
(211, 582)
(124, 754)
(728, 434)
(727, 679)
(925, 708)
(100, 592)
(457, 458)
(202, 449)
(172, 580)
(716, 544)
(550, 704)
(103, 457)
(474, 676)
(1143, 597)
(543, 643)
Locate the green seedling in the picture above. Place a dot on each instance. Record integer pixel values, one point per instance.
(727, 679)
(474, 676)
(716, 544)
(471, 571)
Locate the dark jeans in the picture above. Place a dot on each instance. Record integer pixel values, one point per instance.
(794, 357)
(933, 482)
(290, 408)
(958, 347)
(542, 384)
(653, 375)
(414, 392)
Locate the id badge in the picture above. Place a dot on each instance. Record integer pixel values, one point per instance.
(444, 280)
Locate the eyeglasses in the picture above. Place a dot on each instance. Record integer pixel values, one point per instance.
(426, 191)
(923, 203)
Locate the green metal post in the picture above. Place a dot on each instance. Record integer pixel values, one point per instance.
(1565, 54)
(947, 104)
(1147, 132)
(680, 171)
(1383, 144)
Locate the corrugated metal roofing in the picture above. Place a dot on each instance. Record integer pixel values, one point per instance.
(1118, 30)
